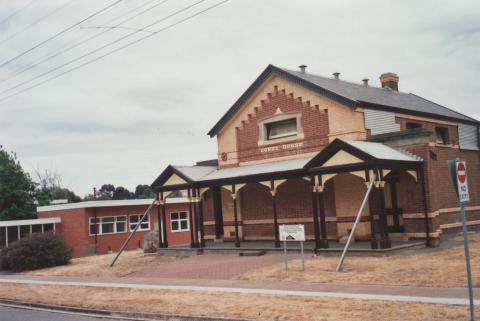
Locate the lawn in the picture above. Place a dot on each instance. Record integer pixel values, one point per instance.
(99, 265)
(439, 267)
(232, 305)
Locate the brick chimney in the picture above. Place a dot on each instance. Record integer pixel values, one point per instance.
(390, 80)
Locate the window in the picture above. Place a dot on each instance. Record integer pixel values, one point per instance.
(134, 219)
(413, 125)
(441, 134)
(179, 221)
(108, 225)
(282, 128)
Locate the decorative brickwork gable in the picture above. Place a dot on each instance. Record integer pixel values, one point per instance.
(313, 125)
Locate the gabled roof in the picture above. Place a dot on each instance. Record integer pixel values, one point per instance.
(188, 173)
(350, 94)
(209, 173)
(364, 151)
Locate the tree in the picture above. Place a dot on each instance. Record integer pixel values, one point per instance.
(17, 190)
(144, 191)
(50, 188)
(106, 192)
(121, 193)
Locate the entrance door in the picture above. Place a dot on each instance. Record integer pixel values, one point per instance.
(394, 213)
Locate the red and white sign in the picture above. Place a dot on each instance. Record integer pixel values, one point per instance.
(462, 185)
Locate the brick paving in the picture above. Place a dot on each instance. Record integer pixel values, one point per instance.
(214, 266)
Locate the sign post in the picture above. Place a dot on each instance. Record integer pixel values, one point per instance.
(458, 172)
(292, 233)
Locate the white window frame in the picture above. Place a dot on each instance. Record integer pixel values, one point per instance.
(278, 117)
(187, 219)
(288, 134)
(100, 222)
(135, 224)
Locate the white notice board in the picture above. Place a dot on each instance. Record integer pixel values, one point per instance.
(293, 232)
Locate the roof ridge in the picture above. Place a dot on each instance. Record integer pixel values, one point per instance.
(351, 82)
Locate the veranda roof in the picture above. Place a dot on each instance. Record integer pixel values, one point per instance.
(364, 151)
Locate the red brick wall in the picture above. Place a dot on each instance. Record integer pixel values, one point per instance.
(430, 126)
(178, 238)
(113, 242)
(314, 123)
(75, 228)
(439, 188)
(294, 199)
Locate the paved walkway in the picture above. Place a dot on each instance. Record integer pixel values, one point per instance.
(453, 296)
(215, 267)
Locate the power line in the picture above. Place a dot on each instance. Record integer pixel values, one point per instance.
(67, 48)
(104, 46)
(115, 50)
(16, 12)
(36, 22)
(59, 33)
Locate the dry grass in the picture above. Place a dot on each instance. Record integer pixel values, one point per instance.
(244, 306)
(98, 265)
(440, 268)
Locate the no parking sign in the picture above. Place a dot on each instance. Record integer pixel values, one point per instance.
(462, 181)
(458, 172)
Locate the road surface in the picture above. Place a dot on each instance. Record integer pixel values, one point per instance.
(14, 314)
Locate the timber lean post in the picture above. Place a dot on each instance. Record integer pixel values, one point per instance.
(316, 227)
(425, 206)
(321, 208)
(373, 240)
(385, 240)
(159, 220)
(195, 216)
(190, 218)
(275, 214)
(200, 218)
(164, 221)
(235, 216)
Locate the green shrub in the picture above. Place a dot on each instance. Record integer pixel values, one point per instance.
(35, 252)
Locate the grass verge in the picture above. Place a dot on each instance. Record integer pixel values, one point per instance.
(232, 305)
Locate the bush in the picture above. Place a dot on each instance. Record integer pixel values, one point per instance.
(36, 252)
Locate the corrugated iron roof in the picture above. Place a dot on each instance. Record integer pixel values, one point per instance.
(379, 96)
(350, 94)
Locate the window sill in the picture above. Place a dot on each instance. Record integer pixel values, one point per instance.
(100, 234)
(443, 145)
(180, 231)
(141, 230)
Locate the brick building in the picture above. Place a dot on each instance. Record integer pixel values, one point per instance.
(103, 226)
(301, 148)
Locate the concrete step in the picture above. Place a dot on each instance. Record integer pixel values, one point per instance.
(252, 253)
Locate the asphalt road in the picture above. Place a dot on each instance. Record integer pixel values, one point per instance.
(14, 314)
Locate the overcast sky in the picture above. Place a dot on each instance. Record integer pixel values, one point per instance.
(122, 119)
